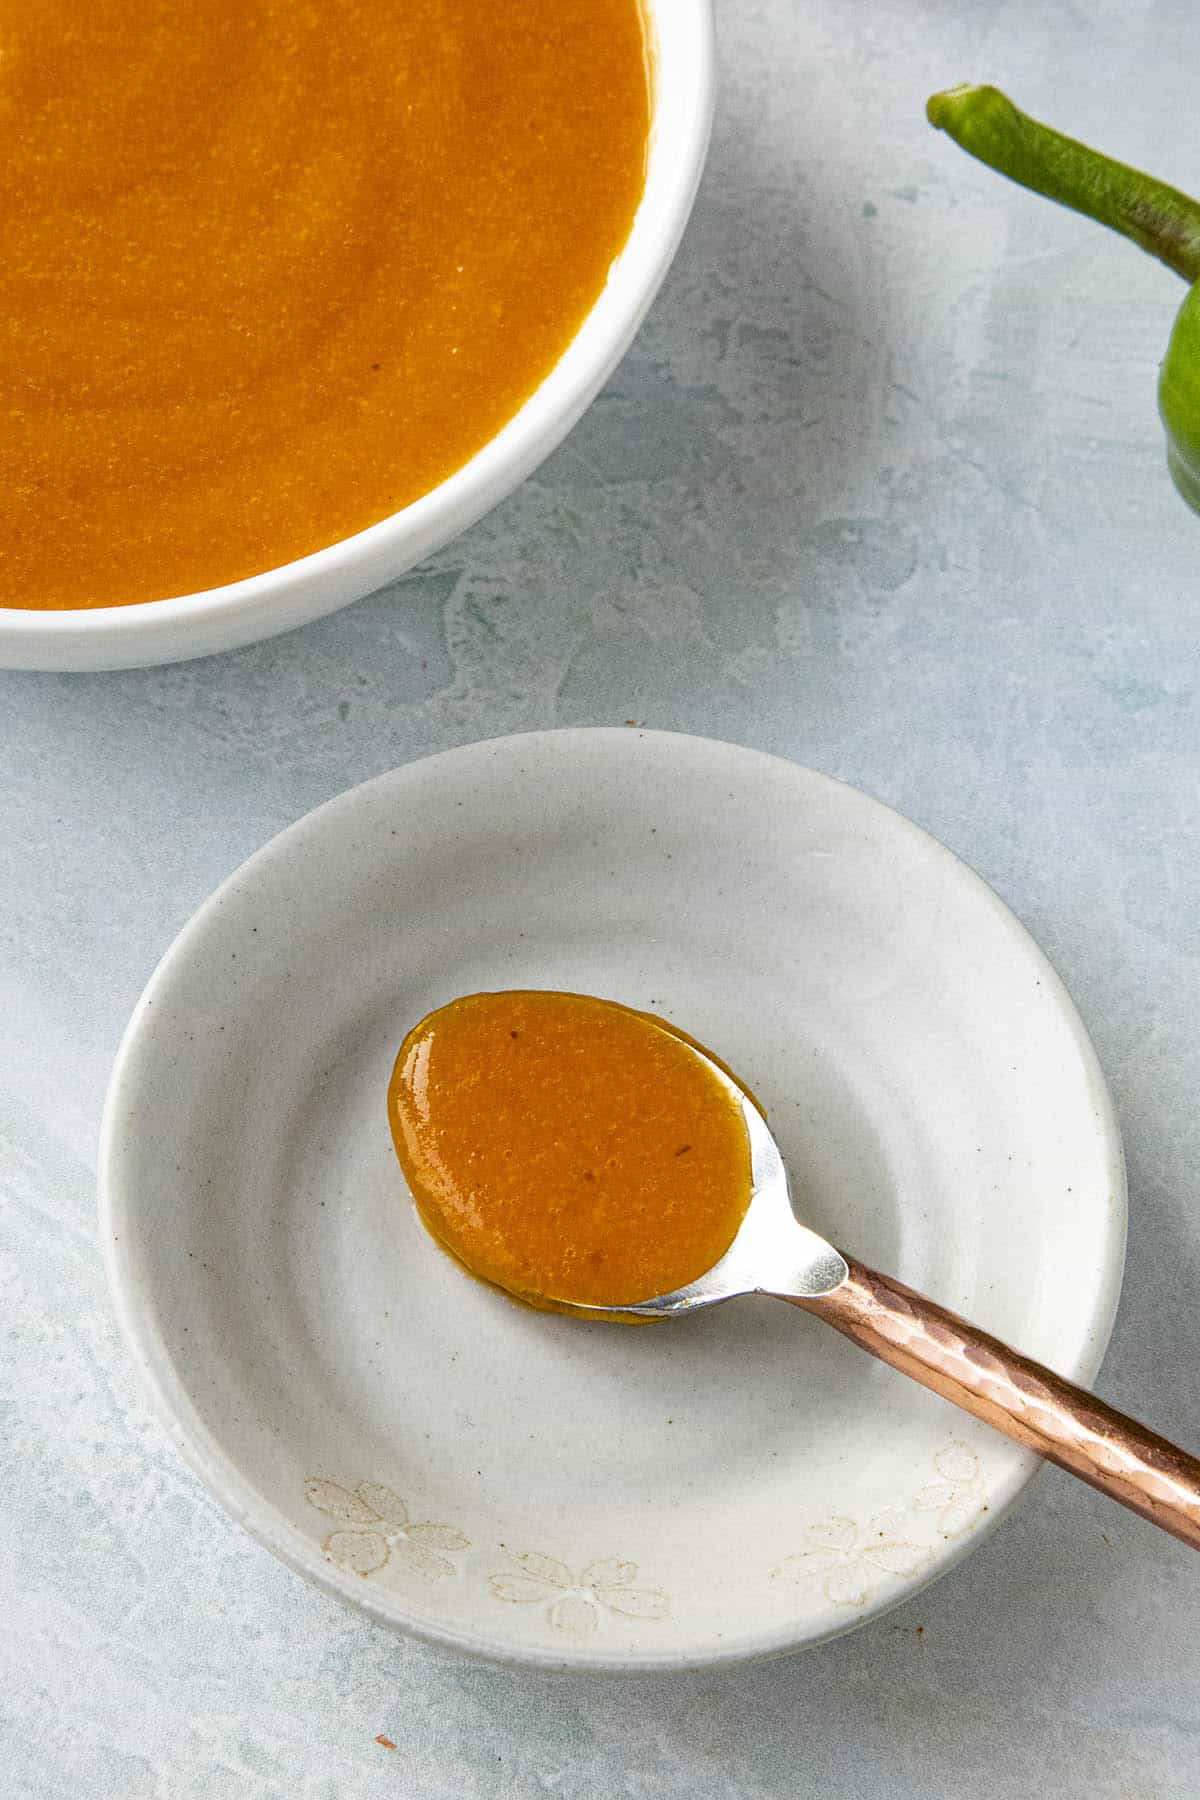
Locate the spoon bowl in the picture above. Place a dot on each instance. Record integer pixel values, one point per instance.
(773, 1253)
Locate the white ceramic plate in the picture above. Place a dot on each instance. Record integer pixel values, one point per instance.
(535, 1488)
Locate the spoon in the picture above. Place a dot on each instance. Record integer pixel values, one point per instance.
(773, 1253)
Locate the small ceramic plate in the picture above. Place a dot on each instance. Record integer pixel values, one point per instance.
(536, 1488)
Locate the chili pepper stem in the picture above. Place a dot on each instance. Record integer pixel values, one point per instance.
(1158, 218)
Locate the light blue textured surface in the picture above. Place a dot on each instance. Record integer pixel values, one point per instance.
(881, 487)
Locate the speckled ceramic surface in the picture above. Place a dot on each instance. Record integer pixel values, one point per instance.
(540, 1489)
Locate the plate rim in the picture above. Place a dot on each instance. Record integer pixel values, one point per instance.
(137, 1318)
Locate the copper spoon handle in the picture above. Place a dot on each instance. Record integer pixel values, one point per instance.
(1017, 1396)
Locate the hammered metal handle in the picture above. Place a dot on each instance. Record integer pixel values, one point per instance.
(1017, 1396)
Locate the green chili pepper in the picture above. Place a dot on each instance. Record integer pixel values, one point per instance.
(1159, 218)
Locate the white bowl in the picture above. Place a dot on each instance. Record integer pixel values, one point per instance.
(161, 631)
(544, 1490)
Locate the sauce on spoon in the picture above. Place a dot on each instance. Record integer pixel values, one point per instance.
(560, 1145)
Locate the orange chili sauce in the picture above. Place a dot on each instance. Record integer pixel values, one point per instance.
(567, 1148)
(271, 269)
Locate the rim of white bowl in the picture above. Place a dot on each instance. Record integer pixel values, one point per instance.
(681, 38)
(138, 1320)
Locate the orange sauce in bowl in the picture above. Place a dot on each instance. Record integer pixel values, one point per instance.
(272, 269)
(568, 1149)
